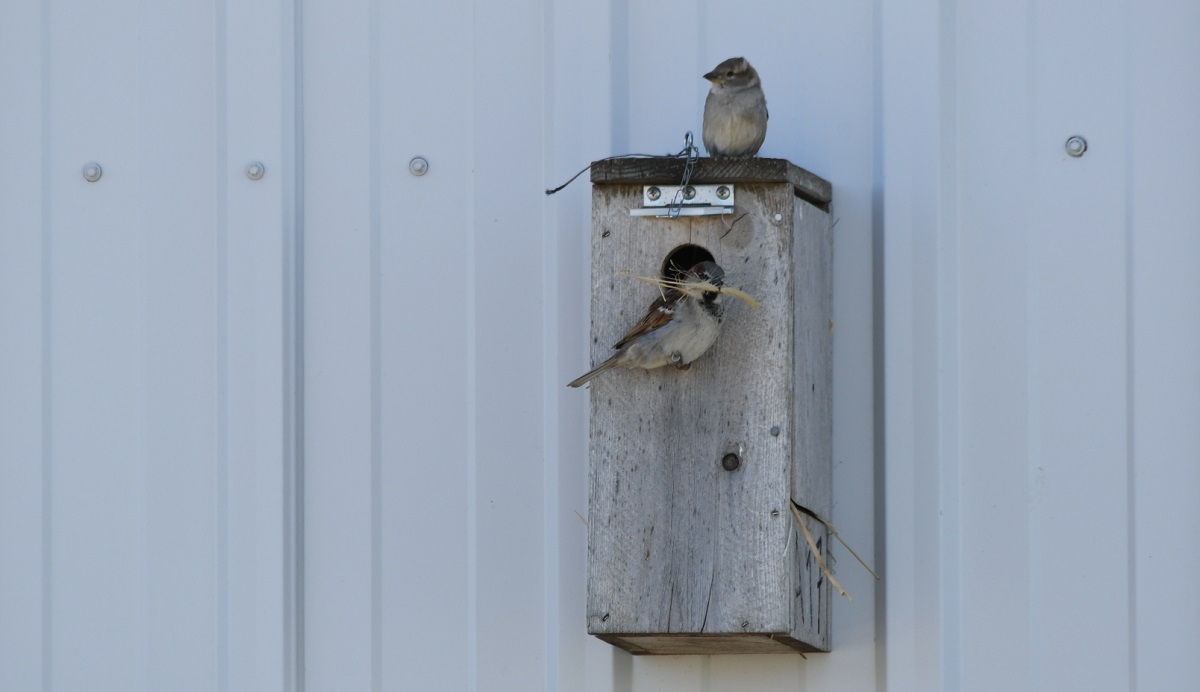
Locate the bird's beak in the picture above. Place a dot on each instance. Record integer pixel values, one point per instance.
(712, 76)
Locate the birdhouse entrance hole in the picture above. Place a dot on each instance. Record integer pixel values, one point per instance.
(682, 259)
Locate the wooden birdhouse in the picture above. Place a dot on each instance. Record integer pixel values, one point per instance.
(693, 547)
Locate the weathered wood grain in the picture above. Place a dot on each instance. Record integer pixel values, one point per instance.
(670, 527)
(668, 171)
(812, 473)
(685, 556)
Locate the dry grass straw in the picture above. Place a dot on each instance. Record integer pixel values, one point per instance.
(801, 512)
(833, 530)
(812, 545)
(696, 288)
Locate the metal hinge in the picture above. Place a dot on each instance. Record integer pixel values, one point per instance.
(672, 201)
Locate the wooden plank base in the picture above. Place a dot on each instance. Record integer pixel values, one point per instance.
(707, 644)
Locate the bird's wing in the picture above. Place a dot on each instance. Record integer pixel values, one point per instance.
(658, 315)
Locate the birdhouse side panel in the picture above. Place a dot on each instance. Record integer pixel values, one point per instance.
(813, 419)
(814, 329)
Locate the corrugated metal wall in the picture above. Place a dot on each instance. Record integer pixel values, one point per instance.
(310, 431)
(147, 384)
(1042, 385)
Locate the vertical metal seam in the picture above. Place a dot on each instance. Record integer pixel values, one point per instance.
(46, 370)
(1033, 372)
(292, 145)
(471, 369)
(376, 393)
(550, 365)
(1132, 558)
(221, 197)
(878, 352)
(948, 358)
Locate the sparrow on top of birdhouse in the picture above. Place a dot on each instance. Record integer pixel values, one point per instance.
(735, 113)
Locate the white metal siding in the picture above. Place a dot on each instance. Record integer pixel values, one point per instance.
(145, 385)
(176, 388)
(1041, 339)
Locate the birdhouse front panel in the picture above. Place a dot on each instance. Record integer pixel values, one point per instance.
(693, 547)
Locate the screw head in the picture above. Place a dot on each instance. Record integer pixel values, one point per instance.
(418, 165)
(654, 193)
(92, 172)
(774, 431)
(1076, 146)
(723, 192)
(689, 192)
(730, 462)
(255, 170)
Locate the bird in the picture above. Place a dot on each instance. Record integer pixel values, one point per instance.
(678, 328)
(735, 112)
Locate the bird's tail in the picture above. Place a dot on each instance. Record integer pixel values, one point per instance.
(587, 377)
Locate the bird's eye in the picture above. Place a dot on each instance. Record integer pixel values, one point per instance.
(729, 73)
